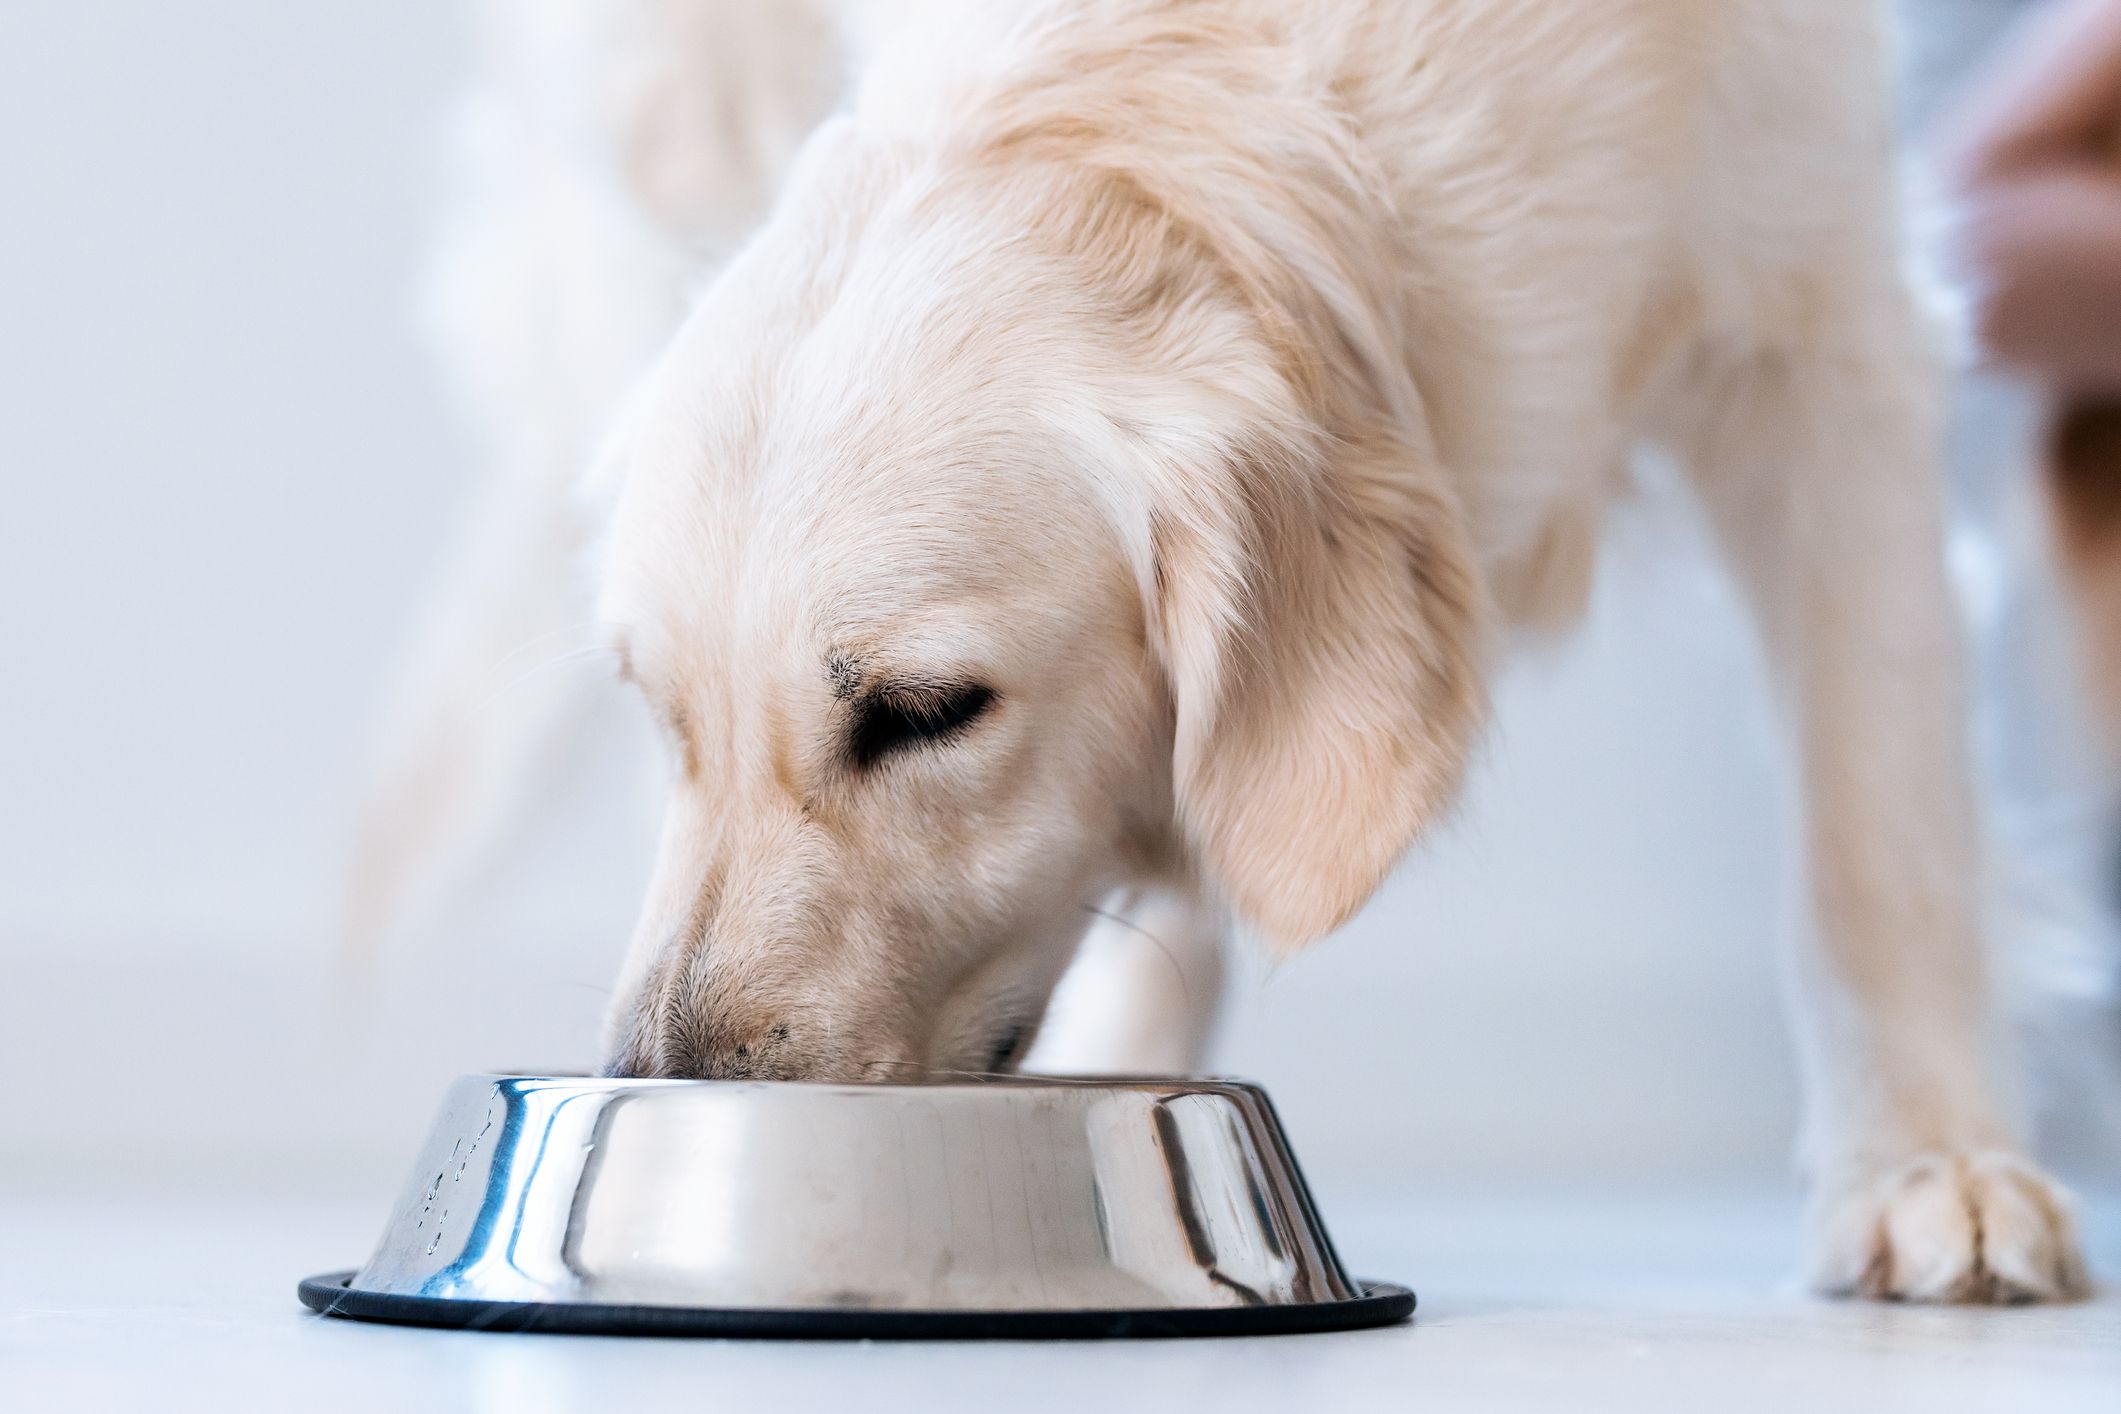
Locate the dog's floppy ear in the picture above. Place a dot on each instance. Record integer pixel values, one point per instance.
(1319, 624)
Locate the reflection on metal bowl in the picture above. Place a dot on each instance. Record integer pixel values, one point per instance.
(1013, 1206)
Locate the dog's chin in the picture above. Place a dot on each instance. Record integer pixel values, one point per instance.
(1005, 1056)
(991, 1039)
(988, 1022)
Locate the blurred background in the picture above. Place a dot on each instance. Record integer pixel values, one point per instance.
(227, 472)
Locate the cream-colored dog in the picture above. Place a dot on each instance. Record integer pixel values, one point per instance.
(1118, 456)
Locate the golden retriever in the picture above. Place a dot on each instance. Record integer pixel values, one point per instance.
(1116, 460)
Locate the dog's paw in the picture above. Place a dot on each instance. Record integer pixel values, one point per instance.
(1981, 1228)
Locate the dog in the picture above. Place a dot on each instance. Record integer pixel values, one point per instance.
(1112, 445)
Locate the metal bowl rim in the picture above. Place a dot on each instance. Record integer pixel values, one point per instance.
(940, 1080)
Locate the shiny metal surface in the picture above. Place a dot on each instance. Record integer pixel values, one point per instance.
(1018, 1195)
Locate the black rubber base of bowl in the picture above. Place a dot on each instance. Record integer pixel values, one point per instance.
(1381, 1304)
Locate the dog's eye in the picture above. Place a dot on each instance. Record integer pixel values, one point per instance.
(903, 717)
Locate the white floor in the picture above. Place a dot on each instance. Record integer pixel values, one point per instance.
(1623, 1304)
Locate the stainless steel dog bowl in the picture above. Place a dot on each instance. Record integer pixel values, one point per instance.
(1004, 1207)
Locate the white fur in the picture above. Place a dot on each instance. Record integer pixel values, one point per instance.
(1218, 383)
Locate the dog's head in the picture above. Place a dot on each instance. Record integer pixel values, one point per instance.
(993, 531)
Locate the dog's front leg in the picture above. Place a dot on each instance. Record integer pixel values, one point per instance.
(1817, 465)
(1143, 992)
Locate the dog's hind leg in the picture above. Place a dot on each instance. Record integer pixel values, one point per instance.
(612, 153)
(1142, 995)
(1817, 461)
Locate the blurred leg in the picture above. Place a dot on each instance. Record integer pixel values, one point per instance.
(613, 151)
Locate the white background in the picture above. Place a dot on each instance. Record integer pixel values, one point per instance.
(225, 473)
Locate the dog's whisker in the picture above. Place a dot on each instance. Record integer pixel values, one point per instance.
(580, 627)
(935, 1072)
(938, 1072)
(1177, 968)
(575, 658)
